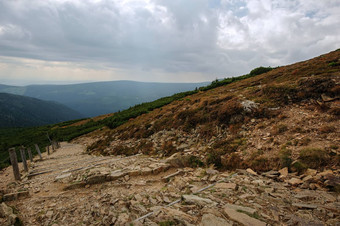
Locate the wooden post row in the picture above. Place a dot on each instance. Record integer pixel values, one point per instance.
(51, 142)
(38, 150)
(30, 154)
(14, 162)
(23, 158)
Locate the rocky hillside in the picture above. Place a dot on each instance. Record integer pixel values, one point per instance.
(288, 117)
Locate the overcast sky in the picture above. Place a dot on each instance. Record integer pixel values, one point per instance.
(64, 41)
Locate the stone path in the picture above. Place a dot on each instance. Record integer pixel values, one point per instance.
(117, 190)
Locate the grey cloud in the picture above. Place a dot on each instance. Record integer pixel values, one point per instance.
(213, 37)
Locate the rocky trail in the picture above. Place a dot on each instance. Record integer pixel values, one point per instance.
(70, 187)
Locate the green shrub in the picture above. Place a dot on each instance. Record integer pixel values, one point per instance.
(260, 164)
(232, 161)
(194, 162)
(260, 70)
(314, 157)
(299, 167)
(334, 64)
(214, 157)
(285, 158)
(166, 223)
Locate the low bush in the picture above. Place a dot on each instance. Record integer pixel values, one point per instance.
(327, 129)
(228, 110)
(194, 161)
(262, 164)
(146, 147)
(232, 161)
(285, 157)
(168, 148)
(260, 70)
(214, 158)
(298, 167)
(314, 157)
(280, 94)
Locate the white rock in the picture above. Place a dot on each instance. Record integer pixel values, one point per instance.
(249, 105)
(194, 199)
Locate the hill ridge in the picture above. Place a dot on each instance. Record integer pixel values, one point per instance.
(98, 98)
(21, 111)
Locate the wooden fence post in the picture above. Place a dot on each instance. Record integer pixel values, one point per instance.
(14, 162)
(50, 142)
(48, 150)
(38, 150)
(30, 154)
(23, 158)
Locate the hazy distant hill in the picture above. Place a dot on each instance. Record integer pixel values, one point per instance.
(98, 98)
(21, 111)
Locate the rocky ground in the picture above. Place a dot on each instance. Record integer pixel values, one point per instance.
(79, 189)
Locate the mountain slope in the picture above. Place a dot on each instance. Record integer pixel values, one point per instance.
(286, 117)
(92, 99)
(20, 111)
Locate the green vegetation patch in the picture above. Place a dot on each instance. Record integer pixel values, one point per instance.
(314, 157)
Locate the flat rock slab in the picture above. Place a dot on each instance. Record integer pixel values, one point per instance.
(306, 197)
(63, 176)
(271, 174)
(295, 181)
(304, 206)
(243, 218)
(116, 174)
(242, 208)
(212, 220)
(178, 214)
(75, 185)
(226, 186)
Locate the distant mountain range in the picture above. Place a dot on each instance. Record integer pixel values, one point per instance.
(92, 99)
(21, 111)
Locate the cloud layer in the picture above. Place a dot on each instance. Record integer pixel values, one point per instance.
(160, 40)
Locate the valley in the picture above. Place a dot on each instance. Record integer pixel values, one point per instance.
(98, 98)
